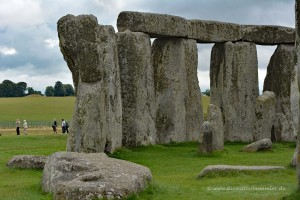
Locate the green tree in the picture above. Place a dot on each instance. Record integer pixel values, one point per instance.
(69, 90)
(20, 89)
(49, 91)
(59, 90)
(207, 92)
(30, 90)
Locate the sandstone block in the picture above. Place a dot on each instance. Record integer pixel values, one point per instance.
(156, 25)
(235, 168)
(71, 175)
(27, 162)
(138, 96)
(268, 35)
(234, 87)
(206, 144)
(174, 61)
(214, 116)
(264, 116)
(213, 31)
(91, 54)
(260, 145)
(279, 79)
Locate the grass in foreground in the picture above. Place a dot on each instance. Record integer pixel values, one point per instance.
(174, 168)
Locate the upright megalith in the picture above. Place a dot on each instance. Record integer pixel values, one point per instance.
(264, 116)
(234, 87)
(206, 140)
(279, 79)
(138, 97)
(174, 61)
(214, 117)
(90, 50)
(297, 14)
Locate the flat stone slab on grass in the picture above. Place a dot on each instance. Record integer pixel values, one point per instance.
(76, 176)
(27, 162)
(260, 145)
(235, 168)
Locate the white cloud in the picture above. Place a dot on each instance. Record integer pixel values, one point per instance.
(7, 51)
(51, 43)
(20, 13)
(204, 80)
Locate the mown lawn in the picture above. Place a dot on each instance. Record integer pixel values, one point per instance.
(36, 108)
(174, 168)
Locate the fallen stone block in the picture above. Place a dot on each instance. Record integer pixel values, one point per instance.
(235, 168)
(260, 145)
(156, 25)
(76, 176)
(27, 162)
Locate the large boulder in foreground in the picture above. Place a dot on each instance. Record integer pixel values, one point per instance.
(260, 145)
(27, 162)
(76, 176)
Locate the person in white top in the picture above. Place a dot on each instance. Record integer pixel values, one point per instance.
(63, 125)
(25, 127)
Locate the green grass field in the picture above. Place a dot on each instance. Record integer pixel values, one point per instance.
(174, 168)
(36, 108)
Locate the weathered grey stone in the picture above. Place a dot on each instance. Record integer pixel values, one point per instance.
(297, 20)
(27, 161)
(174, 60)
(138, 96)
(235, 168)
(214, 117)
(193, 104)
(156, 25)
(206, 142)
(91, 54)
(234, 87)
(70, 175)
(268, 35)
(279, 78)
(260, 145)
(264, 116)
(213, 31)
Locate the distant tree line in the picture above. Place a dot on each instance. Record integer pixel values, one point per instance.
(206, 92)
(59, 90)
(11, 89)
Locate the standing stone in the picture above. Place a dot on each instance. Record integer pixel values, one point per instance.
(234, 87)
(174, 60)
(297, 14)
(194, 109)
(91, 54)
(138, 97)
(206, 142)
(214, 117)
(279, 78)
(264, 116)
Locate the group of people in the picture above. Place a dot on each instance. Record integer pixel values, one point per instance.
(64, 126)
(18, 125)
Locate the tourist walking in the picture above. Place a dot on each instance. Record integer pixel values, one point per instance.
(25, 127)
(63, 125)
(18, 124)
(54, 126)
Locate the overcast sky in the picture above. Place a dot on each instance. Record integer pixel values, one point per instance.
(29, 48)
